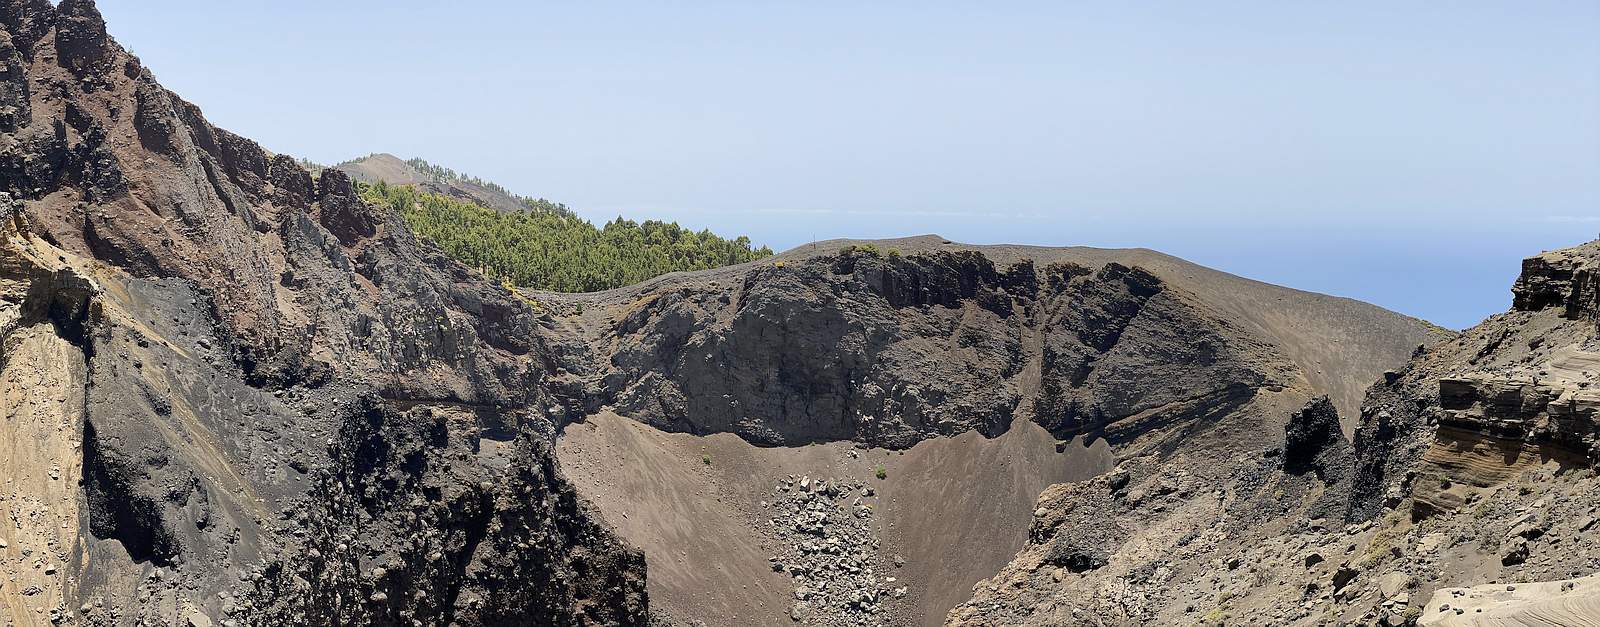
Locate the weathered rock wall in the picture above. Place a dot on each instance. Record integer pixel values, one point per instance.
(892, 349)
(282, 407)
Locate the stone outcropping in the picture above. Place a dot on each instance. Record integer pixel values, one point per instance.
(890, 349)
(241, 396)
(1562, 278)
(1313, 441)
(1472, 463)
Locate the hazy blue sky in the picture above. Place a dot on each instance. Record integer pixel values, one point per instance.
(1404, 153)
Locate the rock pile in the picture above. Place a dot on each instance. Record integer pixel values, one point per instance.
(830, 549)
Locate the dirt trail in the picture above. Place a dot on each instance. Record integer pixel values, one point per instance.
(956, 509)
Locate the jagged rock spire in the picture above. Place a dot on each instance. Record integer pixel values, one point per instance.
(26, 21)
(81, 38)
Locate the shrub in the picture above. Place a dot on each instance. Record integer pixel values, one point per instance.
(554, 249)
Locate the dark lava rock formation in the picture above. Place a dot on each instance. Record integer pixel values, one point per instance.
(1189, 376)
(889, 348)
(1312, 441)
(248, 398)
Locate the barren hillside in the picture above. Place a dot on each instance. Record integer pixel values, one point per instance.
(236, 393)
(925, 345)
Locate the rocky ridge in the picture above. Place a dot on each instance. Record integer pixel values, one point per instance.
(1474, 463)
(892, 348)
(391, 169)
(267, 402)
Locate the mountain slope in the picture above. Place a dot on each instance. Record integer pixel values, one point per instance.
(1466, 498)
(239, 393)
(283, 408)
(538, 244)
(909, 344)
(443, 181)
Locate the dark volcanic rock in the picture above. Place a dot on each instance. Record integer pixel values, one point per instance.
(343, 212)
(490, 544)
(1312, 440)
(284, 408)
(1565, 278)
(81, 38)
(890, 349)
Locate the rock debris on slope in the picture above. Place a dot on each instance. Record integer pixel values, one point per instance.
(829, 546)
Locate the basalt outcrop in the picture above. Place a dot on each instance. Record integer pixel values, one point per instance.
(889, 348)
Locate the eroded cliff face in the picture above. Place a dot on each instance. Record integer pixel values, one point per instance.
(890, 349)
(1224, 435)
(239, 395)
(1509, 394)
(42, 376)
(1482, 451)
(1473, 464)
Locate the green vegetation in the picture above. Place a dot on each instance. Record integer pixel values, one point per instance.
(705, 458)
(555, 250)
(880, 472)
(441, 174)
(863, 249)
(447, 175)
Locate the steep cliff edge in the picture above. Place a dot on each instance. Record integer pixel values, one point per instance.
(239, 395)
(1511, 392)
(1482, 452)
(1473, 465)
(896, 341)
(1181, 373)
